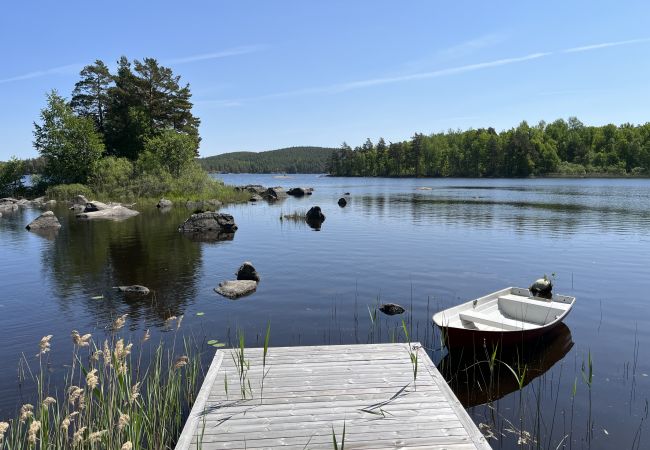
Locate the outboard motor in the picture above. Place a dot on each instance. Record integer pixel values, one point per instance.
(542, 288)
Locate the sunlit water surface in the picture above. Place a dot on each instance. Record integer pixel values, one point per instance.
(425, 244)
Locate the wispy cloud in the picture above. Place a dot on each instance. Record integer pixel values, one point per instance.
(587, 48)
(217, 55)
(61, 70)
(371, 82)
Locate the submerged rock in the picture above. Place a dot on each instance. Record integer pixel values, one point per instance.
(236, 288)
(542, 288)
(45, 221)
(300, 191)
(247, 272)
(391, 309)
(342, 202)
(164, 203)
(135, 289)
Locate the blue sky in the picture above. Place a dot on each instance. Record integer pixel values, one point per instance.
(266, 75)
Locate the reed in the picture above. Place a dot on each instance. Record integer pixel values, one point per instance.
(109, 400)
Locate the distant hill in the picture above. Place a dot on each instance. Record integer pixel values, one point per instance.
(284, 160)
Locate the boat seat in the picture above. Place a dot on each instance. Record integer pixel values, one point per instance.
(501, 322)
(529, 301)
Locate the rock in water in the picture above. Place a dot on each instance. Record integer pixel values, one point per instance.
(255, 198)
(391, 309)
(274, 193)
(209, 222)
(79, 200)
(8, 204)
(542, 288)
(236, 288)
(300, 191)
(164, 203)
(247, 272)
(342, 202)
(315, 217)
(47, 220)
(115, 212)
(135, 289)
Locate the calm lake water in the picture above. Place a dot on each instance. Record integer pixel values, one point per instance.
(424, 249)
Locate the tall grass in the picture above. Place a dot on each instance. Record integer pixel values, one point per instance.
(110, 400)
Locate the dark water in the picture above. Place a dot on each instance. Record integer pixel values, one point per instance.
(424, 249)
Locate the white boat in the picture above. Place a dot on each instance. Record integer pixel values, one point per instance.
(506, 317)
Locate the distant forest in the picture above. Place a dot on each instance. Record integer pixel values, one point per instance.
(285, 160)
(567, 148)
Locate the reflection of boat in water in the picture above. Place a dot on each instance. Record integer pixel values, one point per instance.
(468, 370)
(504, 318)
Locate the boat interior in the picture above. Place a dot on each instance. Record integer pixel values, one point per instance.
(512, 309)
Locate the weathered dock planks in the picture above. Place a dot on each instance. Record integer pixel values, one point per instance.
(311, 393)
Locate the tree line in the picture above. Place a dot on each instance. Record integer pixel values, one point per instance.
(127, 133)
(561, 147)
(285, 160)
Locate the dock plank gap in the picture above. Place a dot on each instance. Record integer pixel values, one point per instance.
(311, 397)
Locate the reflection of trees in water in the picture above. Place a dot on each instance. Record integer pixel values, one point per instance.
(520, 215)
(90, 257)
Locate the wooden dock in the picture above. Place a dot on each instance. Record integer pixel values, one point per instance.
(311, 393)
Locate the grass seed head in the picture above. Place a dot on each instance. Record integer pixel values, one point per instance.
(44, 345)
(127, 445)
(26, 412)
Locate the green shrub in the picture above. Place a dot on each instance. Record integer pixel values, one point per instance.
(68, 191)
(111, 176)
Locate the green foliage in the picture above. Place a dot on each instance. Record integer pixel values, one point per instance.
(68, 142)
(286, 160)
(170, 151)
(145, 100)
(11, 174)
(563, 147)
(90, 94)
(68, 191)
(111, 175)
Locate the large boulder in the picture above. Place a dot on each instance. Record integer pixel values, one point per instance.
(208, 222)
(300, 191)
(255, 198)
(247, 272)
(95, 206)
(274, 193)
(45, 221)
(112, 212)
(236, 288)
(164, 203)
(23, 202)
(79, 200)
(8, 204)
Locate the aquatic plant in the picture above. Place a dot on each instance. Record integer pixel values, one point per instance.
(109, 399)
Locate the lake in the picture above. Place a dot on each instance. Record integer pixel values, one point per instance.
(426, 244)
